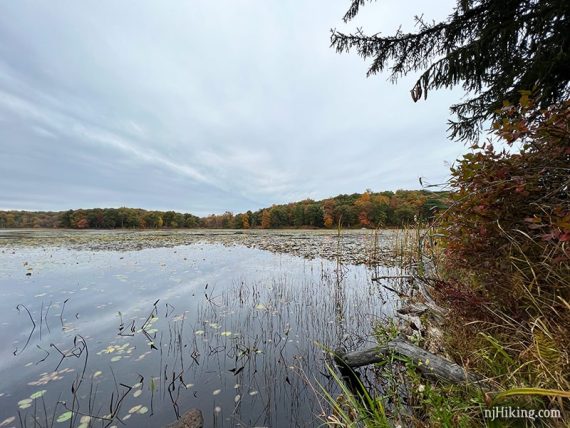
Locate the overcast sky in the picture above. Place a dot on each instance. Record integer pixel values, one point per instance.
(206, 106)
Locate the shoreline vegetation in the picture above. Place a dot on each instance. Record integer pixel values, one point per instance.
(490, 291)
(500, 272)
(358, 210)
(454, 358)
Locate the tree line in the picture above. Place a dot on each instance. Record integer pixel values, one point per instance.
(368, 209)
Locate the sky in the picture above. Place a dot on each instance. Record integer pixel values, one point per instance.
(207, 106)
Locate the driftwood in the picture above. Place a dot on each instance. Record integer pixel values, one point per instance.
(429, 365)
(429, 302)
(378, 278)
(414, 309)
(414, 323)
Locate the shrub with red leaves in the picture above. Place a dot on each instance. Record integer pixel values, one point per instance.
(510, 221)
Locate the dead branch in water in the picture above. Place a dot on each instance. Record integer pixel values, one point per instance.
(430, 365)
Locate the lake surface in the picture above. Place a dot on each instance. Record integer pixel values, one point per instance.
(142, 336)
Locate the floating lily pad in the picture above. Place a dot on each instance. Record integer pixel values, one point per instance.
(135, 409)
(38, 394)
(7, 421)
(25, 403)
(64, 417)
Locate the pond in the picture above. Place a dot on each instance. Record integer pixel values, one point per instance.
(145, 335)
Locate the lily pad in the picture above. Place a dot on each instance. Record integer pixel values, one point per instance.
(65, 416)
(25, 403)
(7, 421)
(38, 394)
(135, 409)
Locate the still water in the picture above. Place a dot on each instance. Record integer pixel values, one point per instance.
(143, 336)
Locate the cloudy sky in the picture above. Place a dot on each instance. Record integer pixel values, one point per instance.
(206, 106)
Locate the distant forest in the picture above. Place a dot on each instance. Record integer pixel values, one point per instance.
(368, 209)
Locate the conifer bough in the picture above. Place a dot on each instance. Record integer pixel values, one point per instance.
(494, 49)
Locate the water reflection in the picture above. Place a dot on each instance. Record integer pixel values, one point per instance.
(146, 335)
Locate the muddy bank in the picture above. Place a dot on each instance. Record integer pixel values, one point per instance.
(351, 246)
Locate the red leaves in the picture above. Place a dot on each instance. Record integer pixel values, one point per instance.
(512, 202)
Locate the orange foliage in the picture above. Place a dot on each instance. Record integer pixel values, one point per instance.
(265, 219)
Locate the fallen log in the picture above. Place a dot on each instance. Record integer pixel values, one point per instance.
(429, 365)
(378, 278)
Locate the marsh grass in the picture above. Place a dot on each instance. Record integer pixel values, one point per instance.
(348, 410)
(520, 345)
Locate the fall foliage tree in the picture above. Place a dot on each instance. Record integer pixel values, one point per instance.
(381, 209)
(265, 219)
(521, 200)
(245, 221)
(82, 223)
(328, 213)
(364, 205)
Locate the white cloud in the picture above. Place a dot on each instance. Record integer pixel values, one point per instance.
(205, 106)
